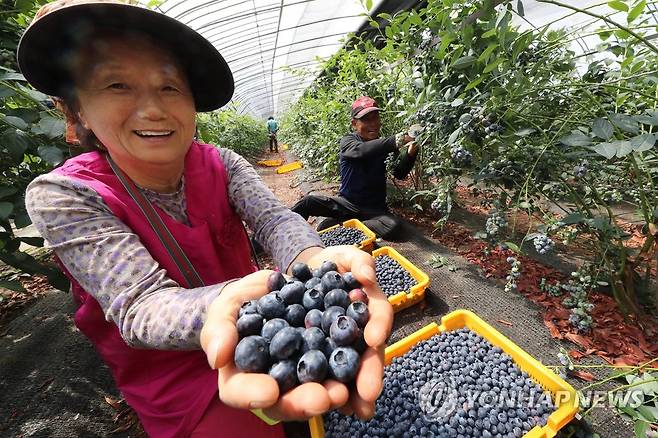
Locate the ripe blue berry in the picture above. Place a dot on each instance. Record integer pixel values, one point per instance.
(312, 367)
(272, 327)
(275, 281)
(336, 297)
(313, 299)
(332, 280)
(285, 343)
(252, 354)
(292, 293)
(329, 316)
(313, 319)
(344, 364)
(271, 306)
(344, 331)
(249, 324)
(358, 311)
(301, 271)
(285, 374)
(295, 315)
(313, 339)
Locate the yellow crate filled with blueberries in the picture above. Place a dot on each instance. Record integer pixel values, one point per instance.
(350, 232)
(403, 282)
(460, 378)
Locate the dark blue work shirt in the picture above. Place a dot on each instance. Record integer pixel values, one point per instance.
(363, 169)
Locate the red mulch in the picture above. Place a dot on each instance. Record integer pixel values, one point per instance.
(617, 341)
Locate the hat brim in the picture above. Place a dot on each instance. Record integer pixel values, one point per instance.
(365, 111)
(48, 39)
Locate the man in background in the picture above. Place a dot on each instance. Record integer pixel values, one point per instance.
(362, 193)
(272, 128)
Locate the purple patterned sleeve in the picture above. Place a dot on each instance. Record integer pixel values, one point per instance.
(109, 261)
(284, 233)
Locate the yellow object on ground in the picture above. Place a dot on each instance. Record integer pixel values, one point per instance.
(289, 167)
(564, 396)
(284, 147)
(270, 163)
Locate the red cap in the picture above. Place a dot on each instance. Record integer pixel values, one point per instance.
(362, 106)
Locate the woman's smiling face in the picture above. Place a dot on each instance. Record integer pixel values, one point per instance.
(136, 100)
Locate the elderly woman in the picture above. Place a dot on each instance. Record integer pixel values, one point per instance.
(148, 226)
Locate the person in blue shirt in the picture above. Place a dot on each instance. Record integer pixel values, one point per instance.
(272, 128)
(362, 193)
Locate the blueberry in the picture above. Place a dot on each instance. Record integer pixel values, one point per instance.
(249, 324)
(313, 299)
(317, 273)
(285, 374)
(314, 281)
(252, 354)
(360, 344)
(292, 293)
(336, 297)
(344, 364)
(344, 331)
(329, 347)
(271, 306)
(332, 280)
(248, 307)
(358, 311)
(358, 295)
(301, 271)
(350, 281)
(275, 281)
(329, 316)
(312, 367)
(313, 318)
(295, 314)
(327, 266)
(313, 339)
(285, 343)
(272, 327)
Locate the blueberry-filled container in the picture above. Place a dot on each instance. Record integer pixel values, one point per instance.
(405, 297)
(336, 235)
(554, 403)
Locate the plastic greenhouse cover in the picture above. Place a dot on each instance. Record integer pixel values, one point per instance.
(265, 41)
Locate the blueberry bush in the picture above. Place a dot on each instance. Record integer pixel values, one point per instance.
(228, 129)
(537, 129)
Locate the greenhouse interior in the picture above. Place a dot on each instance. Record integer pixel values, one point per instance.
(313, 218)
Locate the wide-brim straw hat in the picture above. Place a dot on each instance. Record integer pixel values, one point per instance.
(46, 45)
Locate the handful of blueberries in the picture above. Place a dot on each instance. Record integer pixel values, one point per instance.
(306, 329)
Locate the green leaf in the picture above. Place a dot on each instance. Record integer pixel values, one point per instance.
(489, 33)
(636, 11)
(641, 427)
(463, 62)
(453, 137)
(16, 143)
(647, 413)
(572, 219)
(15, 122)
(513, 246)
(51, 127)
(474, 83)
(576, 138)
(643, 142)
(493, 65)
(525, 132)
(7, 191)
(624, 122)
(14, 285)
(519, 8)
(602, 128)
(618, 5)
(12, 76)
(5, 209)
(51, 154)
(647, 120)
(623, 147)
(487, 52)
(368, 5)
(608, 150)
(457, 102)
(22, 220)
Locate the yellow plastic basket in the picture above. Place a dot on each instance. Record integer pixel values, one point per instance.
(270, 163)
(564, 396)
(416, 293)
(289, 167)
(365, 245)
